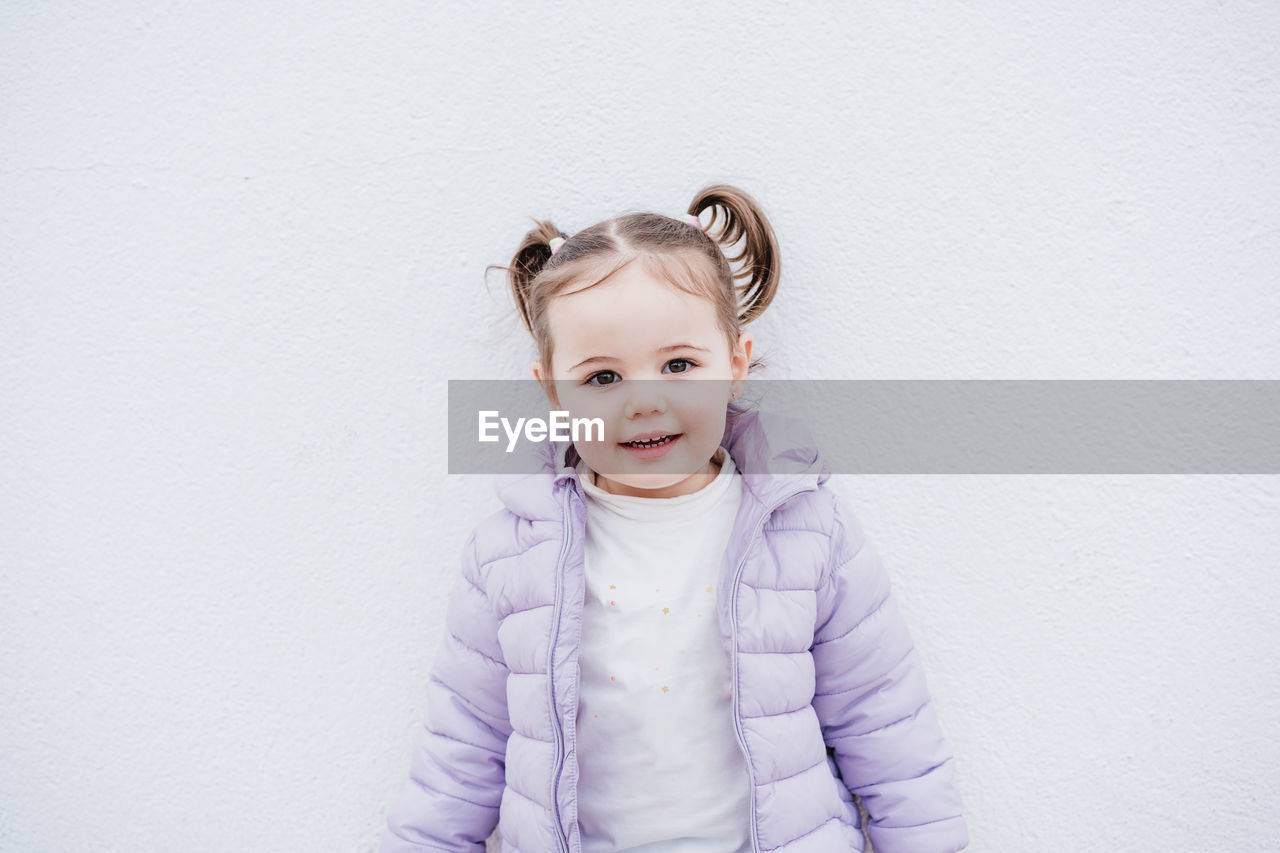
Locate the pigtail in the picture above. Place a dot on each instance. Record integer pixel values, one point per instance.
(758, 264)
(532, 255)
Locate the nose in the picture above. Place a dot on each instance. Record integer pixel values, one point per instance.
(647, 397)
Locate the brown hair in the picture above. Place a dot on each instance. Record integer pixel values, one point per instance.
(690, 258)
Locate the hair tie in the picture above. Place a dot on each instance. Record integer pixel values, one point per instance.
(555, 243)
(692, 219)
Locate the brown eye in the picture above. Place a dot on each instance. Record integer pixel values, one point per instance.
(613, 378)
(684, 365)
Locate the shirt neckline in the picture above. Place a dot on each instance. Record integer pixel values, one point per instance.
(662, 509)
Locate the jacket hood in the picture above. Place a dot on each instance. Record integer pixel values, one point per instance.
(776, 455)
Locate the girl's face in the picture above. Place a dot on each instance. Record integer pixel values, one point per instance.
(650, 361)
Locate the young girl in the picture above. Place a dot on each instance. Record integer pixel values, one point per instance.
(676, 638)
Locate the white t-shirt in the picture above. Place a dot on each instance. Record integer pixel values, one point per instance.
(660, 768)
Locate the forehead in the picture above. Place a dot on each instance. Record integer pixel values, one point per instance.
(630, 314)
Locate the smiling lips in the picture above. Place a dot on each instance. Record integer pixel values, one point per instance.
(650, 439)
(651, 445)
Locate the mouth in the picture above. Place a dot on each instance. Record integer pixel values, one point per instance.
(651, 441)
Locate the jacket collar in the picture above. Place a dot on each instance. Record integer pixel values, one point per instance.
(775, 454)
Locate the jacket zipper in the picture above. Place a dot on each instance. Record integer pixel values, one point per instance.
(551, 681)
(733, 622)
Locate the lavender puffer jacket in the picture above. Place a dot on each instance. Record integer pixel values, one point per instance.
(829, 694)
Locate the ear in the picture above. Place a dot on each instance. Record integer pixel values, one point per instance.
(741, 358)
(548, 387)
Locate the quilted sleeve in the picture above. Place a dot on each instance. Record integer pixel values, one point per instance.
(457, 771)
(874, 706)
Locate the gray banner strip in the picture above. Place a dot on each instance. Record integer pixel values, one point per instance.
(951, 426)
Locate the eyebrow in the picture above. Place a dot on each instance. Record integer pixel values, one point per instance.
(671, 348)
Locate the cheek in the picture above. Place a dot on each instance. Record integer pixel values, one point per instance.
(583, 402)
(707, 393)
(705, 415)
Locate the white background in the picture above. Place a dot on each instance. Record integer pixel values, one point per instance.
(242, 249)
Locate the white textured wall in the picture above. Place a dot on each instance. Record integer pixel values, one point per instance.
(242, 250)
